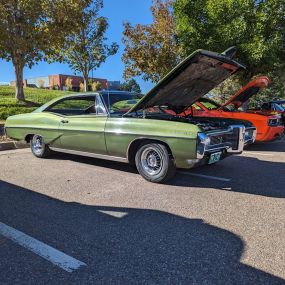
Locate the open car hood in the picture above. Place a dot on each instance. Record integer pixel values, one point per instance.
(246, 92)
(188, 81)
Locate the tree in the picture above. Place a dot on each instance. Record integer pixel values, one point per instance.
(85, 49)
(131, 86)
(96, 86)
(31, 29)
(151, 50)
(256, 27)
(226, 89)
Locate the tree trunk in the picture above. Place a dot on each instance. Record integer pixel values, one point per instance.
(85, 82)
(18, 67)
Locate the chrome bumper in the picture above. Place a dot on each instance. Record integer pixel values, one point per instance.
(232, 140)
(250, 135)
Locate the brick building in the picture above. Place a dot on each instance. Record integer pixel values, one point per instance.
(58, 81)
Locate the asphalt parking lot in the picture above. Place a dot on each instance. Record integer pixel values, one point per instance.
(75, 220)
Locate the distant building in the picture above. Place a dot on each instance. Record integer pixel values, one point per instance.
(58, 81)
(114, 85)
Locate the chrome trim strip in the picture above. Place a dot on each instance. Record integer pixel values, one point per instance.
(90, 154)
(114, 133)
(57, 129)
(25, 127)
(75, 130)
(150, 136)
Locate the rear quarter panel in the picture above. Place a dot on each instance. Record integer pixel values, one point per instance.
(44, 124)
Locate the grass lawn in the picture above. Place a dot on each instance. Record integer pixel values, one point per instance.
(9, 105)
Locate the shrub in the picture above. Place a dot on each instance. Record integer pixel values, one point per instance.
(81, 87)
(68, 83)
(96, 86)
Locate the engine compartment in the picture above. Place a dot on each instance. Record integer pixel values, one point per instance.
(205, 123)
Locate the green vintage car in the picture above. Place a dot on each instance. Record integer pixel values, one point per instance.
(121, 126)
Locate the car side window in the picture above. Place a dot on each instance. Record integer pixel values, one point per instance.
(74, 106)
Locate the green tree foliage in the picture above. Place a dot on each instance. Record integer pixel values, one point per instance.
(226, 89)
(151, 50)
(85, 49)
(131, 85)
(256, 27)
(31, 29)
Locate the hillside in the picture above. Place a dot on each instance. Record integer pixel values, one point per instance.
(9, 105)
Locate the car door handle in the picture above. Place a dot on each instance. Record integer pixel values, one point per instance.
(64, 121)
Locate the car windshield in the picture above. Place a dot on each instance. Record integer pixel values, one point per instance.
(209, 104)
(119, 103)
(280, 108)
(282, 105)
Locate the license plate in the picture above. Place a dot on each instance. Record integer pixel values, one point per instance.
(215, 157)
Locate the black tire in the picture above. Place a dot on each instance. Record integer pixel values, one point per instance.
(38, 147)
(154, 162)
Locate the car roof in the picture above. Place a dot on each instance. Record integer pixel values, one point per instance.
(74, 95)
(277, 101)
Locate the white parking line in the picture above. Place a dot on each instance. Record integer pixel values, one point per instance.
(205, 176)
(49, 253)
(257, 153)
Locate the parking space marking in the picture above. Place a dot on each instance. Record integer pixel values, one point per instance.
(257, 153)
(205, 176)
(49, 253)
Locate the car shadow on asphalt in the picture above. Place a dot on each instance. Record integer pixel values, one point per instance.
(248, 174)
(276, 146)
(121, 245)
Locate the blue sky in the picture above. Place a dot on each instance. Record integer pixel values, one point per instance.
(117, 11)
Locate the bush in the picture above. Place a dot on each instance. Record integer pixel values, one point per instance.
(68, 83)
(10, 106)
(96, 86)
(81, 87)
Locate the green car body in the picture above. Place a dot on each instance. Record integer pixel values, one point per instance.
(102, 132)
(104, 135)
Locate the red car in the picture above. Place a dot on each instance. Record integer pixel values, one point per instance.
(268, 126)
(271, 108)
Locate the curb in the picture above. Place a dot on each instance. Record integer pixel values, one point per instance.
(13, 145)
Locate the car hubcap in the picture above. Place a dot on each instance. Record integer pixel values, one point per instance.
(151, 160)
(37, 145)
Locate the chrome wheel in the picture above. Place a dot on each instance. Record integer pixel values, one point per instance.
(152, 161)
(38, 145)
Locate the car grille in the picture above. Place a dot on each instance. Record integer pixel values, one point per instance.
(227, 139)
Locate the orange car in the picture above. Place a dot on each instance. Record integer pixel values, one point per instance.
(268, 126)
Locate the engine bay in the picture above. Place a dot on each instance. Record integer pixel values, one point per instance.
(205, 123)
